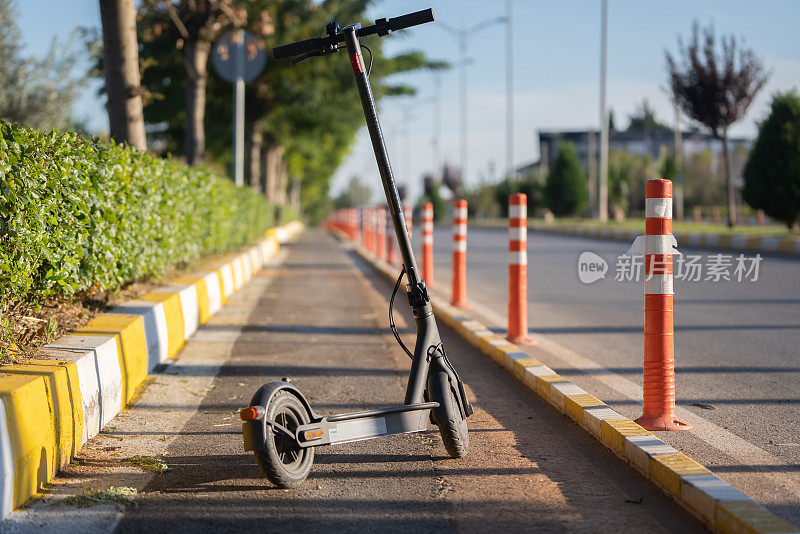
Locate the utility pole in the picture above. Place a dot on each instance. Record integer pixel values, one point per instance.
(510, 91)
(677, 151)
(592, 160)
(462, 39)
(602, 182)
(437, 123)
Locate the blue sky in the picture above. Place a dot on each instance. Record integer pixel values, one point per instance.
(556, 64)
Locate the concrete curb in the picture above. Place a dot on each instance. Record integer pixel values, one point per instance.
(720, 506)
(50, 407)
(739, 243)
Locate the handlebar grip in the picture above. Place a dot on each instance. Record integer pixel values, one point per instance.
(412, 19)
(295, 49)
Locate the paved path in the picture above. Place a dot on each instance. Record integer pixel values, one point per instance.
(320, 319)
(737, 349)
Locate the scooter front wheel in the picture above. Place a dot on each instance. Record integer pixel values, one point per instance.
(452, 425)
(282, 460)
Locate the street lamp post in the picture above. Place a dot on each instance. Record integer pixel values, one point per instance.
(510, 91)
(462, 37)
(602, 182)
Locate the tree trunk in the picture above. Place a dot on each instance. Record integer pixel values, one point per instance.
(726, 154)
(196, 55)
(254, 144)
(262, 178)
(274, 163)
(121, 66)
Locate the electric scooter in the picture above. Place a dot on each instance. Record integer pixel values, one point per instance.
(280, 427)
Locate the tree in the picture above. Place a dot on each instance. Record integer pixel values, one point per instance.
(669, 167)
(772, 173)
(715, 89)
(356, 194)
(531, 184)
(190, 26)
(39, 93)
(643, 119)
(121, 67)
(300, 120)
(452, 179)
(565, 192)
(431, 194)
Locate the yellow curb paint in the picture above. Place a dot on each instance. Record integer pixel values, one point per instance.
(131, 347)
(787, 245)
(519, 366)
(487, 344)
(753, 243)
(543, 384)
(30, 425)
(225, 276)
(203, 305)
(64, 398)
(574, 405)
(614, 431)
(666, 470)
(748, 517)
(174, 316)
(502, 347)
(617, 433)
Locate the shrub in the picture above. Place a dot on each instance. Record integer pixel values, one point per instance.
(772, 174)
(565, 192)
(531, 185)
(77, 214)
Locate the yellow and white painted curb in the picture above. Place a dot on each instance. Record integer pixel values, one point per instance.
(743, 243)
(716, 503)
(51, 406)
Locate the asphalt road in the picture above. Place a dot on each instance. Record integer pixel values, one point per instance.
(737, 348)
(320, 318)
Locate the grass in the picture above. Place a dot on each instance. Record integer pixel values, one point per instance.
(638, 226)
(148, 463)
(677, 227)
(113, 495)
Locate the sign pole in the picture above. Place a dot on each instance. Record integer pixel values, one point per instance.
(238, 109)
(239, 58)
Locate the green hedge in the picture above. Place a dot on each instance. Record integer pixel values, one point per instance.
(77, 214)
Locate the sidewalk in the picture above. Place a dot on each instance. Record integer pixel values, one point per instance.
(320, 319)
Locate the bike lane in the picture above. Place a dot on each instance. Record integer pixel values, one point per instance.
(319, 318)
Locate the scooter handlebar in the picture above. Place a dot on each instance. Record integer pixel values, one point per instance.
(300, 47)
(412, 19)
(318, 44)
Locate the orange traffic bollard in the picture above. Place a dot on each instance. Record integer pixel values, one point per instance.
(372, 237)
(459, 296)
(391, 255)
(407, 211)
(427, 244)
(659, 343)
(518, 270)
(359, 222)
(381, 232)
(366, 235)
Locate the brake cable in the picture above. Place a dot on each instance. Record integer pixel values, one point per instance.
(369, 69)
(392, 325)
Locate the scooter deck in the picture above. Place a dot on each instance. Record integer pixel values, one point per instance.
(345, 428)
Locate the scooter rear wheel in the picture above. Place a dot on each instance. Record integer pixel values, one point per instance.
(283, 461)
(452, 425)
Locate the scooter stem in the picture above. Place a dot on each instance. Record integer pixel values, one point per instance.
(427, 332)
